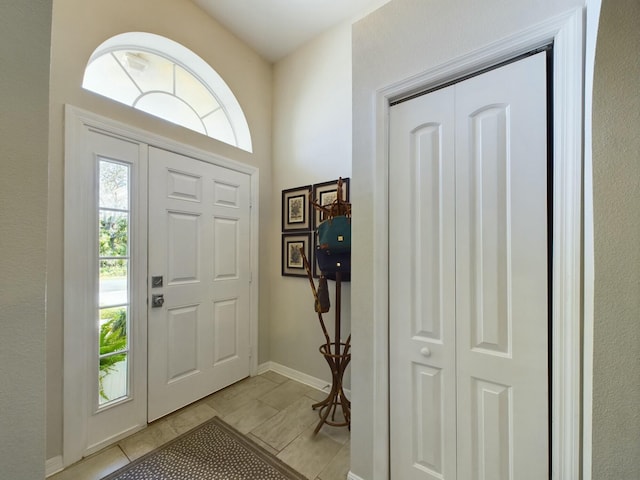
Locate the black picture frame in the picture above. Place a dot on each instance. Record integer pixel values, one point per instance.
(295, 209)
(292, 263)
(325, 193)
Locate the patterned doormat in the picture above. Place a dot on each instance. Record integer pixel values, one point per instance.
(211, 451)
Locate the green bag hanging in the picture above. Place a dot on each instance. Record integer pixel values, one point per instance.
(335, 234)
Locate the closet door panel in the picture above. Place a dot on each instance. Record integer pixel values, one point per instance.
(501, 273)
(422, 287)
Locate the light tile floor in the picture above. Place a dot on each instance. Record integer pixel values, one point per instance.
(272, 410)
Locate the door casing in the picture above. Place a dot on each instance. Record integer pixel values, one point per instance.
(565, 32)
(75, 399)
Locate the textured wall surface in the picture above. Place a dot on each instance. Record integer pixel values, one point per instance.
(616, 197)
(24, 99)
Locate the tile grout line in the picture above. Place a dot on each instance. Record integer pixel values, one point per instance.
(123, 452)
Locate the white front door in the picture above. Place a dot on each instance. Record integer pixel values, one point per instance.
(199, 238)
(469, 367)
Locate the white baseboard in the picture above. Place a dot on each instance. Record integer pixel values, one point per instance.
(298, 376)
(263, 368)
(353, 476)
(53, 465)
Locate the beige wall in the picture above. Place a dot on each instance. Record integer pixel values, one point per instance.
(616, 203)
(400, 40)
(24, 92)
(78, 28)
(311, 144)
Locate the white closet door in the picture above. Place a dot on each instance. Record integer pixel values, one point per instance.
(502, 273)
(468, 279)
(422, 288)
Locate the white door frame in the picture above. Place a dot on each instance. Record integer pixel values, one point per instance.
(566, 34)
(74, 398)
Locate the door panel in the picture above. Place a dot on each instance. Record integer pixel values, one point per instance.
(491, 407)
(182, 342)
(183, 247)
(199, 241)
(489, 226)
(428, 432)
(226, 231)
(501, 273)
(468, 279)
(422, 301)
(226, 325)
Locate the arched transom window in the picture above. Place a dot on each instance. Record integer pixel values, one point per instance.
(163, 78)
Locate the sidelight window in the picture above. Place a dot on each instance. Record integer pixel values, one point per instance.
(113, 322)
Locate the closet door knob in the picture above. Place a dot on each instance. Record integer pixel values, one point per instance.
(425, 352)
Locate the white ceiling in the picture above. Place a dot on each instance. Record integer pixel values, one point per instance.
(275, 28)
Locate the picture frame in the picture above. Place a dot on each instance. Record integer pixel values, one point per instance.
(295, 209)
(325, 193)
(292, 263)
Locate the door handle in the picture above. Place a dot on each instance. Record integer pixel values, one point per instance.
(425, 352)
(157, 300)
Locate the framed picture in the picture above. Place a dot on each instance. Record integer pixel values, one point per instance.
(325, 194)
(292, 263)
(295, 209)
